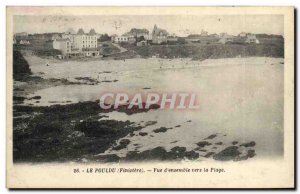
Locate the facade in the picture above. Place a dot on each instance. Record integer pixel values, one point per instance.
(79, 44)
(243, 34)
(251, 38)
(135, 32)
(119, 39)
(123, 39)
(64, 45)
(159, 35)
(204, 33)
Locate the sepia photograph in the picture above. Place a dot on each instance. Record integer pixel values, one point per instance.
(97, 87)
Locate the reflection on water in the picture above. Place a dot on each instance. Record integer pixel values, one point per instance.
(240, 99)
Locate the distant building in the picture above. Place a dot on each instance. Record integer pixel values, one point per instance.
(243, 34)
(63, 44)
(135, 32)
(204, 33)
(159, 35)
(223, 34)
(251, 38)
(119, 39)
(172, 38)
(123, 39)
(81, 43)
(226, 39)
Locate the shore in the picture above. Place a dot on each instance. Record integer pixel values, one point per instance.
(82, 131)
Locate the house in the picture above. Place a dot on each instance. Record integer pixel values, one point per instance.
(172, 38)
(159, 35)
(251, 38)
(226, 39)
(63, 44)
(119, 39)
(24, 42)
(135, 32)
(123, 39)
(243, 34)
(204, 33)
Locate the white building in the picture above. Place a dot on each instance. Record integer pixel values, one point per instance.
(251, 38)
(123, 39)
(64, 45)
(81, 43)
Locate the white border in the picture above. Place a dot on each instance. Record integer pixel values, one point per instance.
(5, 3)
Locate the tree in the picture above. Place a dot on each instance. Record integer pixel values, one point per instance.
(104, 37)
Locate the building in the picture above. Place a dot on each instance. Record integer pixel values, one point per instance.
(123, 39)
(119, 39)
(78, 44)
(226, 39)
(243, 34)
(204, 33)
(159, 35)
(135, 32)
(251, 38)
(63, 44)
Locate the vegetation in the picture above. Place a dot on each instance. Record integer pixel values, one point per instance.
(20, 66)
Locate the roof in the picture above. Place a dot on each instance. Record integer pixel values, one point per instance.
(80, 32)
(251, 36)
(70, 31)
(157, 31)
(62, 39)
(136, 31)
(92, 32)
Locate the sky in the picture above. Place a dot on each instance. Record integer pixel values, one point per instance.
(174, 24)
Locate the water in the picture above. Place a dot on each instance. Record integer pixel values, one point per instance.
(240, 99)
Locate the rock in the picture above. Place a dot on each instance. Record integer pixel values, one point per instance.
(143, 133)
(202, 144)
(219, 143)
(159, 153)
(122, 144)
(107, 158)
(36, 97)
(229, 153)
(251, 153)
(177, 126)
(211, 136)
(235, 142)
(209, 154)
(250, 144)
(148, 123)
(77, 134)
(161, 130)
(84, 160)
